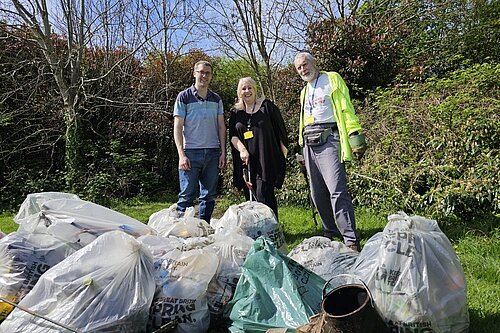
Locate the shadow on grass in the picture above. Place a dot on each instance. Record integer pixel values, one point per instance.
(481, 225)
(482, 324)
(293, 239)
(368, 233)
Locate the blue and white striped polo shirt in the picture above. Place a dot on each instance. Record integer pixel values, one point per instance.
(201, 129)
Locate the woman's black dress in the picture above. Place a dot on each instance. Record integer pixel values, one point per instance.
(267, 161)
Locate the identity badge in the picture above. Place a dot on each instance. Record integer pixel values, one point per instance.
(309, 120)
(248, 135)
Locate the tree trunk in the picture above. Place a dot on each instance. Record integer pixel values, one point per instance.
(73, 145)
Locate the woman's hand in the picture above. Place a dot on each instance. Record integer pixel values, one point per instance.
(245, 156)
(284, 150)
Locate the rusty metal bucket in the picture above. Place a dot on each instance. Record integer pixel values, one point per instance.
(349, 308)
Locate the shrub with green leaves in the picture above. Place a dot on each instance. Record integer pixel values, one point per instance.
(117, 171)
(434, 147)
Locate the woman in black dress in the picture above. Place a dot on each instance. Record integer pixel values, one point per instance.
(258, 143)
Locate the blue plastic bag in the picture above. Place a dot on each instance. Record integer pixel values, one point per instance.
(274, 291)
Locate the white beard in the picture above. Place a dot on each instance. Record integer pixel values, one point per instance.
(309, 77)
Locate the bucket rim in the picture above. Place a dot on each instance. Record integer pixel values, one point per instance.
(361, 307)
(361, 282)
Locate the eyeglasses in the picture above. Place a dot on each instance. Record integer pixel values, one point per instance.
(203, 73)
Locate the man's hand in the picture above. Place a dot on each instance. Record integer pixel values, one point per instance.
(184, 163)
(222, 161)
(358, 144)
(302, 163)
(359, 152)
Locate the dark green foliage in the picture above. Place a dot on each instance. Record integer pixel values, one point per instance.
(31, 124)
(119, 172)
(481, 41)
(366, 56)
(406, 41)
(123, 140)
(17, 183)
(433, 146)
(436, 37)
(295, 188)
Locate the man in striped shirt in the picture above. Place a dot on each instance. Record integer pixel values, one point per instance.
(200, 138)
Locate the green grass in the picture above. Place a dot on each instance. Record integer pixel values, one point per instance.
(477, 244)
(480, 257)
(141, 211)
(7, 224)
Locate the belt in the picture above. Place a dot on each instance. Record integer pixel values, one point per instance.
(332, 126)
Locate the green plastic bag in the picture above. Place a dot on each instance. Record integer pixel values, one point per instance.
(274, 291)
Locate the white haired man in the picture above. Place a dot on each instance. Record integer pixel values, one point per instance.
(329, 132)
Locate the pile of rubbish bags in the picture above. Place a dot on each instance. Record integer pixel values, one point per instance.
(75, 266)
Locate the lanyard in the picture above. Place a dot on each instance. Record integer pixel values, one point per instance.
(250, 118)
(311, 100)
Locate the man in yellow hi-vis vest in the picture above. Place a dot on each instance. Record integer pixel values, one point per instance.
(329, 132)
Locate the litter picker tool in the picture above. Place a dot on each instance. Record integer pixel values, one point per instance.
(248, 182)
(38, 315)
(168, 327)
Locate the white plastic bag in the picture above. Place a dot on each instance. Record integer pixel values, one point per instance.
(231, 249)
(23, 259)
(182, 278)
(196, 243)
(159, 245)
(32, 205)
(323, 256)
(415, 277)
(167, 222)
(255, 219)
(80, 222)
(107, 286)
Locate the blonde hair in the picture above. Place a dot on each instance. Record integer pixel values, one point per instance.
(240, 104)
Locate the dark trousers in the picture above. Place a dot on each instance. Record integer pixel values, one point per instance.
(328, 183)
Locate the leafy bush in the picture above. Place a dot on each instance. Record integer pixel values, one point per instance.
(366, 56)
(433, 146)
(20, 182)
(118, 172)
(406, 40)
